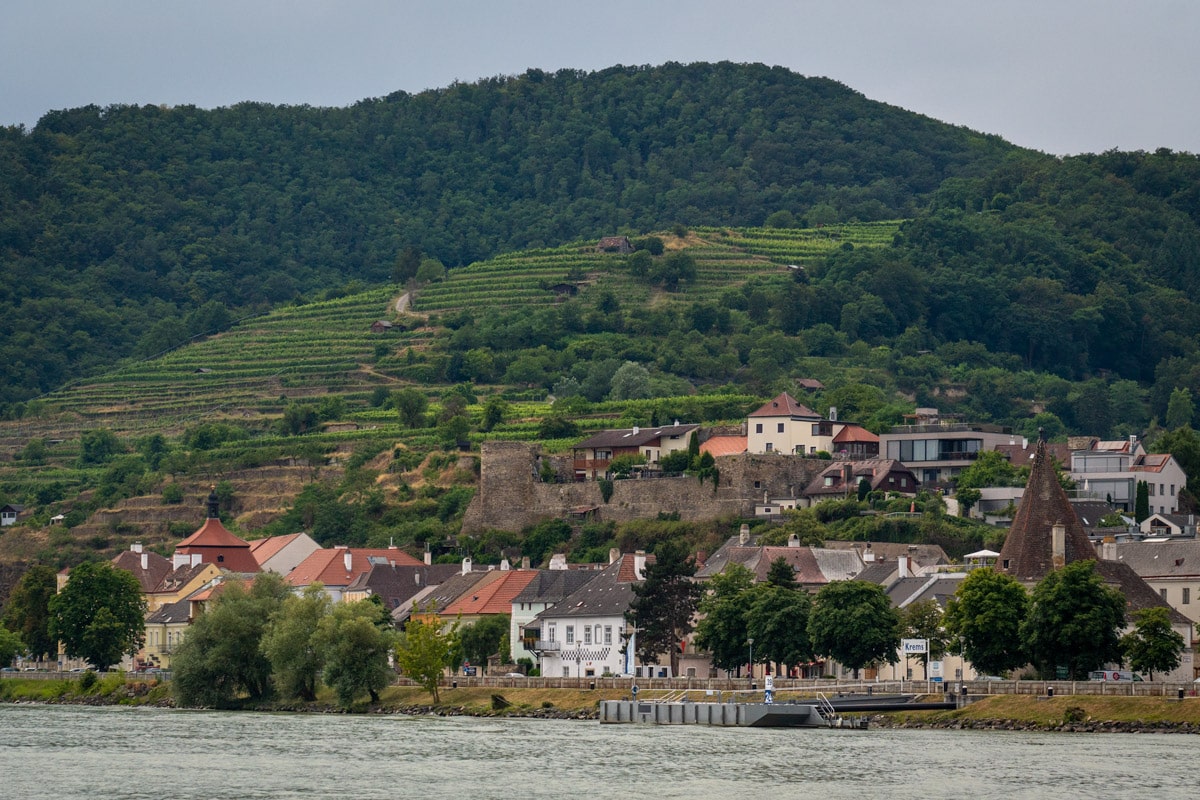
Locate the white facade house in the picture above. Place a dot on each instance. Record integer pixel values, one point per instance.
(1112, 470)
(549, 588)
(586, 635)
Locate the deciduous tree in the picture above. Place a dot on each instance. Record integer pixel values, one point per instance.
(1152, 645)
(99, 615)
(423, 652)
(854, 622)
(28, 610)
(355, 648)
(722, 626)
(1073, 622)
(984, 620)
(289, 643)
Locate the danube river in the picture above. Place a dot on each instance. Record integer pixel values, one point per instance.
(67, 752)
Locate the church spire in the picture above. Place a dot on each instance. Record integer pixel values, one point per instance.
(213, 504)
(1045, 533)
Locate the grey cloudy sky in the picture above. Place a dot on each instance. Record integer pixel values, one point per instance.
(1062, 76)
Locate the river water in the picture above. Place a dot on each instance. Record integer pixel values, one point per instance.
(66, 752)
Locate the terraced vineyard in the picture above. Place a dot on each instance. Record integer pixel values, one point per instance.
(724, 257)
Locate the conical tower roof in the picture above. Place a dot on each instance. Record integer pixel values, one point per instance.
(1029, 552)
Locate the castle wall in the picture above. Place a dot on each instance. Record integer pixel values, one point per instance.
(511, 496)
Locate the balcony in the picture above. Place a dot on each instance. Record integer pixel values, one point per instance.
(543, 646)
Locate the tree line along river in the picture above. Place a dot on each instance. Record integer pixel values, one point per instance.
(111, 752)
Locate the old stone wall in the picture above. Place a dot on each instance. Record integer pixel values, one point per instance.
(512, 497)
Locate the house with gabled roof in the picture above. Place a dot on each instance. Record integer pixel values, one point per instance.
(585, 635)
(148, 567)
(337, 568)
(396, 585)
(548, 588)
(1172, 526)
(812, 567)
(212, 543)
(841, 479)
(9, 513)
(783, 425)
(595, 454)
(282, 554)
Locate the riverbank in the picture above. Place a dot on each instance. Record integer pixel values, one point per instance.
(1080, 713)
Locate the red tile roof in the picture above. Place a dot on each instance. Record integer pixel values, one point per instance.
(329, 566)
(495, 597)
(216, 545)
(785, 406)
(854, 433)
(724, 445)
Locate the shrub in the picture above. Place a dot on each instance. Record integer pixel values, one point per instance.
(87, 680)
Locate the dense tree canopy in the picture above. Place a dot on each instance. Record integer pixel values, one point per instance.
(985, 617)
(99, 614)
(1074, 622)
(854, 623)
(664, 604)
(27, 612)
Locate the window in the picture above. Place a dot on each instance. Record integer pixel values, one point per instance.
(1172, 490)
(1151, 485)
(1163, 592)
(566, 672)
(570, 634)
(770, 447)
(597, 634)
(1160, 490)
(758, 427)
(904, 481)
(829, 480)
(608, 634)
(1187, 595)
(551, 633)
(587, 635)
(779, 428)
(758, 484)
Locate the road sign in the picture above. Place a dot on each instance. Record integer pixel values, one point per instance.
(912, 647)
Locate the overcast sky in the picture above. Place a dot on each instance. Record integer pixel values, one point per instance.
(1062, 76)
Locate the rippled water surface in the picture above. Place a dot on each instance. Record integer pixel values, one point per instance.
(78, 752)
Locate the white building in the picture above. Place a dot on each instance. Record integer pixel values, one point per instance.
(585, 635)
(783, 425)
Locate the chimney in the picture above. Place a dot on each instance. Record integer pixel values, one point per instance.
(744, 534)
(833, 413)
(639, 565)
(1058, 545)
(902, 563)
(466, 565)
(145, 560)
(524, 562)
(504, 565)
(348, 560)
(636, 430)
(428, 555)
(676, 423)
(613, 554)
(558, 561)
(1108, 549)
(136, 547)
(794, 540)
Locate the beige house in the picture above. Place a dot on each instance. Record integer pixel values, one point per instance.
(783, 425)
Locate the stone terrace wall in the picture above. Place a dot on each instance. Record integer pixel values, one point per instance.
(511, 497)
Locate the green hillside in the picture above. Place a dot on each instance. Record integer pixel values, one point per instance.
(125, 230)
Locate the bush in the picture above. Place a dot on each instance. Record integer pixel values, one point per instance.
(87, 680)
(172, 494)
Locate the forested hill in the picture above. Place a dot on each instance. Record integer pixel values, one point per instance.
(124, 230)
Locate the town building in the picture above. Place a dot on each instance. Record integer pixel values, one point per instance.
(937, 449)
(337, 568)
(594, 455)
(585, 635)
(212, 543)
(282, 554)
(783, 425)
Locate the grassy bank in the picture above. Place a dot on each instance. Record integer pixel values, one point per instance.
(1077, 712)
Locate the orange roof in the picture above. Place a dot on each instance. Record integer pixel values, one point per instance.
(264, 549)
(724, 445)
(329, 566)
(494, 596)
(785, 406)
(212, 534)
(855, 433)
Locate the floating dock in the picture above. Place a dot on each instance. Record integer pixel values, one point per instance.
(819, 713)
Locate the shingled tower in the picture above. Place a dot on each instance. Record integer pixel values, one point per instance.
(1045, 533)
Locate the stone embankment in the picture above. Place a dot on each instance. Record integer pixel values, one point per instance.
(884, 721)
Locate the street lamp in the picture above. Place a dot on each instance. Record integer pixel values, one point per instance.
(750, 642)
